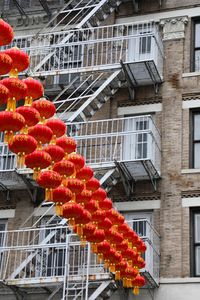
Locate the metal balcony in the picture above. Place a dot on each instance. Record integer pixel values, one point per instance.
(53, 257)
(134, 142)
(135, 47)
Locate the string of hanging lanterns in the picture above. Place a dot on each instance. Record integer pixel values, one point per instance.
(40, 142)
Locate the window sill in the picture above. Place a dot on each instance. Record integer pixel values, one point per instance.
(190, 171)
(180, 280)
(191, 74)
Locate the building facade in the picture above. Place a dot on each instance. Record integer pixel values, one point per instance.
(124, 76)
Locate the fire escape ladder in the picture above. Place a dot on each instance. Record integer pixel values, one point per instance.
(98, 90)
(108, 178)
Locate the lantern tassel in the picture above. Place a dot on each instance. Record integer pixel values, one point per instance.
(53, 140)
(94, 248)
(112, 268)
(11, 104)
(124, 282)
(79, 230)
(83, 242)
(36, 172)
(58, 209)
(117, 275)
(13, 73)
(8, 135)
(136, 290)
(28, 101)
(48, 194)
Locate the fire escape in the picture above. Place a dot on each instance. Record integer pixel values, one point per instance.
(85, 64)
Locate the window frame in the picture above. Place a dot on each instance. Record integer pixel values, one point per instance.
(193, 244)
(194, 49)
(192, 139)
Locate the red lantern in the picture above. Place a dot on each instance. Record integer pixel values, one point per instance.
(113, 237)
(45, 108)
(4, 93)
(140, 262)
(123, 228)
(130, 255)
(128, 275)
(84, 197)
(122, 247)
(34, 90)
(112, 258)
(65, 168)
(72, 211)
(98, 216)
(115, 216)
(22, 144)
(67, 143)
(20, 60)
(82, 220)
(7, 34)
(30, 115)
(93, 184)
(85, 174)
(17, 90)
(106, 204)
(88, 230)
(77, 160)
(131, 236)
(138, 282)
(91, 206)
(102, 248)
(99, 195)
(105, 224)
(75, 185)
(97, 237)
(37, 161)
(58, 127)
(120, 268)
(141, 247)
(56, 152)
(41, 133)
(49, 180)
(5, 63)
(61, 195)
(10, 122)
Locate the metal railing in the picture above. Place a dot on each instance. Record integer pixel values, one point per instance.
(97, 48)
(122, 139)
(9, 6)
(52, 254)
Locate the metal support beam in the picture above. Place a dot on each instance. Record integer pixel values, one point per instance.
(22, 12)
(136, 5)
(99, 290)
(152, 179)
(129, 82)
(32, 191)
(127, 179)
(46, 8)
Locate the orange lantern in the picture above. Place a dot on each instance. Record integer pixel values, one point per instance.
(37, 161)
(91, 206)
(78, 161)
(5, 63)
(72, 211)
(99, 195)
(61, 195)
(34, 90)
(45, 108)
(49, 180)
(20, 60)
(92, 184)
(4, 93)
(85, 174)
(56, 153)
(106, 204)
(10, 122)
(138, 282)
(58, 127)
(30, 115)
(75, 185)
(17, 90)
(41, 133)
(6, 33)
(84, 197)
(67, 143)
(22, 144)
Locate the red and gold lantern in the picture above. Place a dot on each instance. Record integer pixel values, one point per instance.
(49, 180)
(34, 90)
(67, 143)
(10, 122)
(98, 216)
(61, 195)
(128, 276)
(75, 185)
(102, 248)
(78, 161)
(58, 127)
(138, 282)
(4, 93)
(30, 115)
(20, 60)
(56, 153)
(65, 168)
(91, 206)
(37, 161)
(41, 133)
(99, 195)
(92, 184)
(5, 63)
(84, 197)
(106, 204)
(45, 108)
(105, 224)
(97, 237)
(115, 216)
(85, 174)
(22, 144)
(113, 237)
(120, 269)
(6, 33)
(85, 218)
(72, 211)
(17, 90)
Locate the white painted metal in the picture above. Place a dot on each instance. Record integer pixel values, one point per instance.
(99, 290)
(91, 49)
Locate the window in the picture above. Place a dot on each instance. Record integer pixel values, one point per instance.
(195, 242)
(196, 66)
(195, 136)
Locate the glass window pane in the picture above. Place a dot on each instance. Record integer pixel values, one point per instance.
(197, 60)
(197, 127)
(197, 260)
(197, 35)
(197, 155)
(197, 228)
